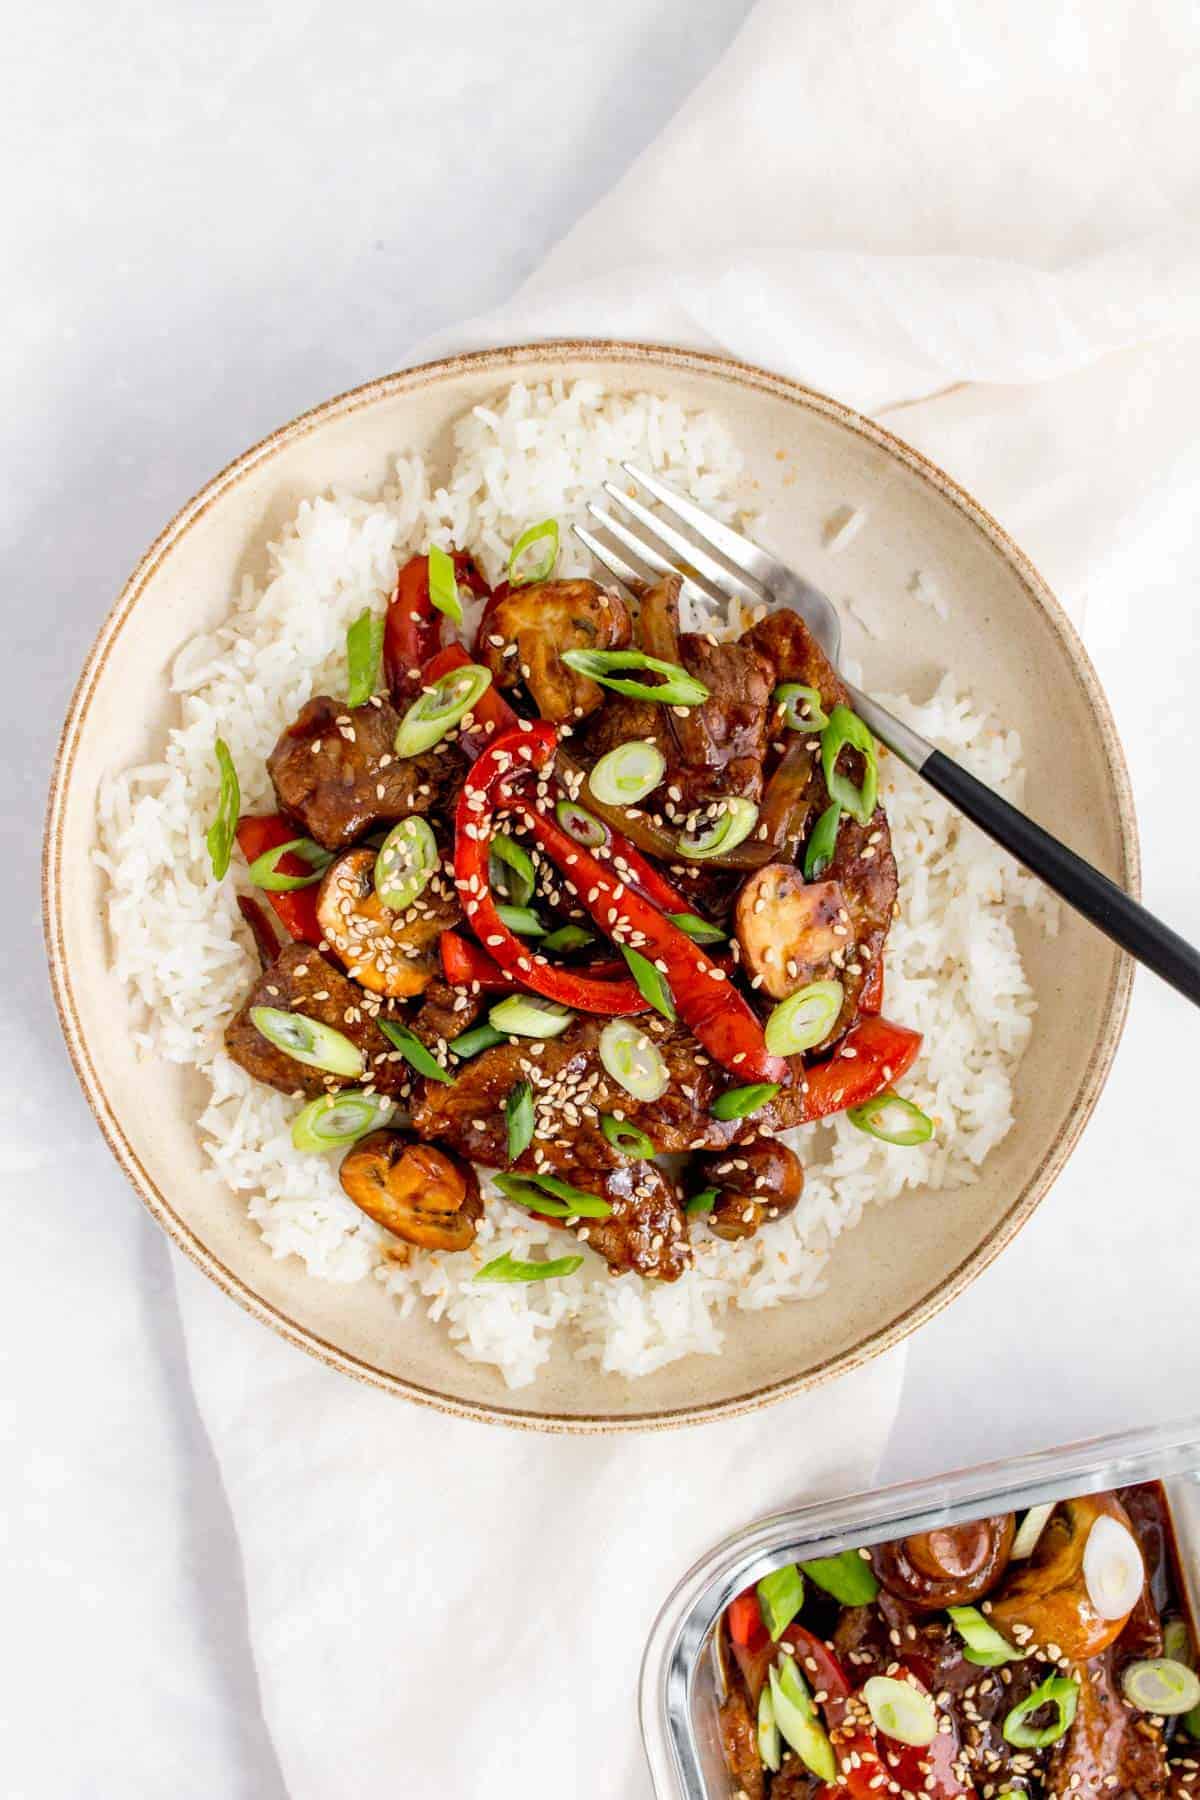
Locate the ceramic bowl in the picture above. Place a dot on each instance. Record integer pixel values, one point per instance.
(1005, 637)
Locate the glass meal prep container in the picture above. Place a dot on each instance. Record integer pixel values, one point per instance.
(683, 1680)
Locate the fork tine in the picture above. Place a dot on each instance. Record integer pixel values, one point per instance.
(722, 582)
(758, 564)
(655, 561)
(616, 565)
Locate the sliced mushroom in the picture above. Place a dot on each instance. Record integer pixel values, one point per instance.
(756, 1182)
(523, 638)
(948, 1567)
(788, 929)
(413, 1190)
(1047, 1598)
(394, 953)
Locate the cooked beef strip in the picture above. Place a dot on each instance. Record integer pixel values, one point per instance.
(739, 1740)
(1109, 1750)
(445, 1013)
(301, 980)
(571, 1088)
(645, 1231)
(794, 653)
(733, 719)
(354, 780)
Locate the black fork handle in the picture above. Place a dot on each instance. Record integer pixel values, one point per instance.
(1107, 906)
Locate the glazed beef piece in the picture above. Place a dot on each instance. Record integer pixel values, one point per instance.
(793, 652)
(571, 1089)
(523, 638)
(865, 869)
(353, 780)
(1110, 1750)
(645, 1232)
(445, 1013)
(739, 1740)
(302, 981)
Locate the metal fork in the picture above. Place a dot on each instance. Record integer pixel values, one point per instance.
(662, 548)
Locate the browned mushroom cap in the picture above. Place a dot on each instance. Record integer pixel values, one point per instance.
(388, 952)
(1046, 1598)
(528, 631)
(948, 1567)
(413, 1190)
(756, 1182)
(788, 928)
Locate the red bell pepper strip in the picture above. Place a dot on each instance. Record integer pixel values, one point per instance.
(497, 597)
(412, 632)
(640, 872)
(870, 997)
(746, 1621)
(709, 1005)
(860, 1763)
(491, 714)
(507, 756)
(881, 1052)
(297, 909)
(465, 964)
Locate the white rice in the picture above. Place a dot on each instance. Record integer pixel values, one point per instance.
(953, 968)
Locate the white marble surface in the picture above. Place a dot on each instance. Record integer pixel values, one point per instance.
(221, 215)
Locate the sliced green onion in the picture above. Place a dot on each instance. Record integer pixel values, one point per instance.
(519, 1118)
(1060, 1693)
(633, 1061)
(523, 920)
(703, 1202)
(736, 821)
(802, 708)
(651, 982)
(848, 1577)
(335, 1120)
(1161, 1685)
(507, 1268)
(627, 774)
(581, 825)
(521, 1017)
(221, 833)
(900, 1710)
(625, 1138)
(770, 1745)
(307, 1041)
(364, 649)
(677, 687)
(406, 863)
(740, 1102)
(510, 870)
(701, 931)
(804, 1020)
(264, 871)
(1177, 1642)
(541, 568)
(413, 1050)
(892, 1119)
(780, 1597)
(443, 584)
(557, 1199)
(1030, 1530)
(797, 1720)
(846, 730)
(822, 843)
(480, 1037)
(568, 937)
(986, 1647)
(438, 709)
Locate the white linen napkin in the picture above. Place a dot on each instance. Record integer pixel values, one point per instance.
(914, 206)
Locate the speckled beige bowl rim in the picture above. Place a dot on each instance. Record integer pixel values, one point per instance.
(507, 361)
